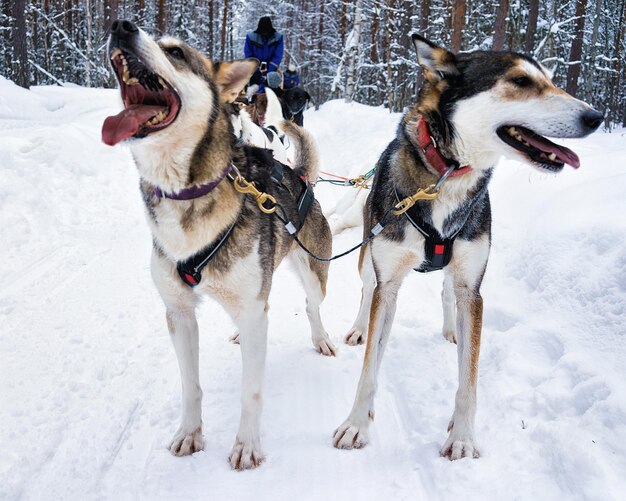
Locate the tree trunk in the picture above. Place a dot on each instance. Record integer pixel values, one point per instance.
(500, 27)
(211, 29)
(343, 23)
(354, 40)
(458, 23)
(619, 70)
(375, 21)
(111, 9)
(573, 71)
(531, 29)
(161, 16)
(424, 17)
(224, 27)
(89, 45)
(389, 77)
(19, 43)
(320, 58)
(592, 48)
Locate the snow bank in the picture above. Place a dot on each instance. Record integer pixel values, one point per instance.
(89, 385)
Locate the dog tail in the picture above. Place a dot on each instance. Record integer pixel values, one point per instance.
(306, 163)
(274, 111)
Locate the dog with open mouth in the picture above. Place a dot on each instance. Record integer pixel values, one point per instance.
(209, 238)
(473, 108)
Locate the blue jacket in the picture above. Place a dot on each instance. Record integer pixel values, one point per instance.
(269, 51)
(291, 79)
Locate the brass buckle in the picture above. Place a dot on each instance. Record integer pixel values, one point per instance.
(246, 187)
(429, 193)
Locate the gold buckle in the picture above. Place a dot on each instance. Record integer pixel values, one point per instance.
(246, 187)
(428, 193)
(359, 182)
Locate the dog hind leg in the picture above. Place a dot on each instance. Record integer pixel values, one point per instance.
(180, 305)
(314, 275)
(354, 431)
(356, 334)
(449, 307)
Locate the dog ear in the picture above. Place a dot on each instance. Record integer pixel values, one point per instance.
(436, 61)
(232, 76)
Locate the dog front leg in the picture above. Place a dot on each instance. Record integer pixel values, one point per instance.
(356, 334)
(354, 431)
(252, 325)
(180, 304)
(468, 272)
(183, 329)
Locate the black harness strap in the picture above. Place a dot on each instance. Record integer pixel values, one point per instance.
(190, 270)
(437, 250)
(305, 200)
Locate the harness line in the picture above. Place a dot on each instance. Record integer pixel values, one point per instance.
(431, 192)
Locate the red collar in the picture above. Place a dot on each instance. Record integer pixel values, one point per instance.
(432, 155)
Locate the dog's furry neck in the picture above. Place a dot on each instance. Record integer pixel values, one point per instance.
(175, 165)
(409, 171)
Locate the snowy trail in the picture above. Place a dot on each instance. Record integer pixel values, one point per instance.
(89, 384)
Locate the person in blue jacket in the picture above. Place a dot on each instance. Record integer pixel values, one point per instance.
(267, 45)
(291, 77)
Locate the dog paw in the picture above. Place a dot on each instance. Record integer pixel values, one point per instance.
(450, 335)
(354, 336)
(325, 346)
(245, 455)
(459, 447)
(234, 338)
(351, 436)
(186, 443)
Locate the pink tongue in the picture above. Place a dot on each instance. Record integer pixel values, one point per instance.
(564, 154)
(128, 122)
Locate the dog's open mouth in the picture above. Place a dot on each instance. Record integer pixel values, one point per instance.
(540, 151)
(150, 103)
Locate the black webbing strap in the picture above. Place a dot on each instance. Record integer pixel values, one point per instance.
(437, 250)
(190, 270)
(305, 200)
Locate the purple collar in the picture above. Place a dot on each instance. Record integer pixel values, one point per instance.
(194, 191)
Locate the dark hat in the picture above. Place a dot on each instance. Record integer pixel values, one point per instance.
(265, 26)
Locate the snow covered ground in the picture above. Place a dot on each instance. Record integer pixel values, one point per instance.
(89, 385)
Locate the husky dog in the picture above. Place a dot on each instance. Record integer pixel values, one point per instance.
(294, 102)
(182, 140)
(473, 108)
(271, 136)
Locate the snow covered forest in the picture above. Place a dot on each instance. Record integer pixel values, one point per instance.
(356, 49)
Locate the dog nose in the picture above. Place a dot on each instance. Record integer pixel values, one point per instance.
(592, 119)
(123, 29)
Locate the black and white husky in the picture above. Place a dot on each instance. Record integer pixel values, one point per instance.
(180, 134)
(473, 108)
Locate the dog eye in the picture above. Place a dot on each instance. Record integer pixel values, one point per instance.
(175, 52)
(522, 81)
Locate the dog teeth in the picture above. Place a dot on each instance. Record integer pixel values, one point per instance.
(162, 82)
(552, 156)
(162, 115)
(516, 135)
(115, 53)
